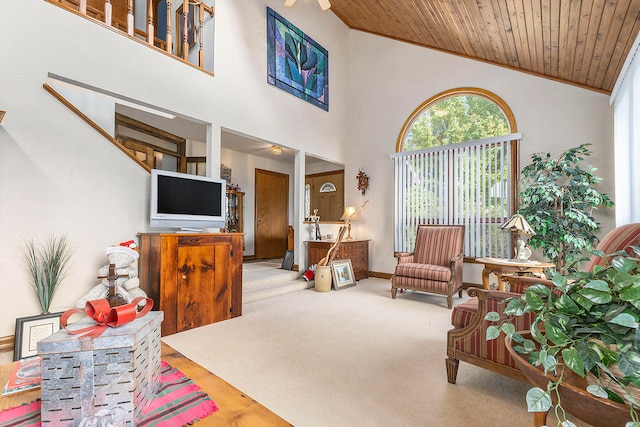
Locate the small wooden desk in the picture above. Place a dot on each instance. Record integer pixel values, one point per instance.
(236, 408)
(502, 266)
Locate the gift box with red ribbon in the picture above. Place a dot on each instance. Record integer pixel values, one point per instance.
(115, 367)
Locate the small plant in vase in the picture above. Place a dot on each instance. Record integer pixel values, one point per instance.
(587, 323)
(47, 263)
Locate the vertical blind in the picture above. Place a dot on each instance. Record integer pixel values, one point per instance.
(626, 121)
(457, 184)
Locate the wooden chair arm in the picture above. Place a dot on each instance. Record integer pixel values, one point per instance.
(487, 301)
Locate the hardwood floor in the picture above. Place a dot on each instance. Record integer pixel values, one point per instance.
(236, 408)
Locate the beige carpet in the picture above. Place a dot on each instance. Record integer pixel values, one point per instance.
(353, 357)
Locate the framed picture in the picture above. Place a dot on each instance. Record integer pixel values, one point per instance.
(287, 262)
(295, 62)
(191, 27)
(342, 273)
(30, 330)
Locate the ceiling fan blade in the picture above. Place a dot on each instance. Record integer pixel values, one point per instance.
(324, 4)
(289, 3)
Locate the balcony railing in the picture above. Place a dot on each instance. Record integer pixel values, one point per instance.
(188, 22)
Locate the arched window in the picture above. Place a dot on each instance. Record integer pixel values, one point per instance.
(456, 163)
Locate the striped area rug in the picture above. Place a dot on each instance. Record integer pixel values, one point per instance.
(179, 402)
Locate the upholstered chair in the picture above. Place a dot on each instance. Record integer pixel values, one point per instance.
(467, 340)
(435, 265)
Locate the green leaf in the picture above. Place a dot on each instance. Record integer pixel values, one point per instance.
(529, 345)
(596, 296)
(567, 305)
(596, 390)
(555, 334)
(492, 316)
(515, 307)
(623, 264)
(629, 362)
(538, 400)
(534, 300)
(573, 360)
(630, 293)
(493, 332)
(625, 319)
(584, 302)
(598, 285)
(549, 363)
(508, 329)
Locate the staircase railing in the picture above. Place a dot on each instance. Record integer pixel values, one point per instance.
(128, 28)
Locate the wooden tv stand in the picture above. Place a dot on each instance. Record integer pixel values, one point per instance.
(195, 278)
(355, 250)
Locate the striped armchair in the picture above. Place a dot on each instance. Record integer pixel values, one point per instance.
(435, 265)
(467, 340)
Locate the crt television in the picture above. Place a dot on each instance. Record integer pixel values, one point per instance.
(185, 201)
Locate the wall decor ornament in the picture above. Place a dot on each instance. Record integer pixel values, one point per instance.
(295, 62)
(363, 181)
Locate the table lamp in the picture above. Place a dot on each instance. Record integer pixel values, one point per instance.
(518, 225)
(348, 216)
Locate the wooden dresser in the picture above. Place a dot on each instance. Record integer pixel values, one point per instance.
(196, 279)
(355, 250)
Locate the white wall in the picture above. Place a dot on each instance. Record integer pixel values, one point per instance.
(243, 168)
(395, 78)
(58, 174)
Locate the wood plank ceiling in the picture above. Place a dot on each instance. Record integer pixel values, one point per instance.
(580, 42)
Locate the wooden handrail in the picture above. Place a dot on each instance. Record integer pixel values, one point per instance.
(105, 16)
(93, 124)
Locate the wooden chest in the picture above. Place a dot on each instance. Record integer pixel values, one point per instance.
(355, 250)
(195, 278)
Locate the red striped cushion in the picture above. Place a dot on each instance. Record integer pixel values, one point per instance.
(424, 271)
(414, 283)
(618, 239)
(437, 244)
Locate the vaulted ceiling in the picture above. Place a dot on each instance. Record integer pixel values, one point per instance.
(580, 42)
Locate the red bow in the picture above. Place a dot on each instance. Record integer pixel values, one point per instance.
(105, 315)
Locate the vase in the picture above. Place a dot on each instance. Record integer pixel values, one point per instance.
(575, 399)
(323, 278)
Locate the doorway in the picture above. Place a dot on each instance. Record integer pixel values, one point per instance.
(272, 214)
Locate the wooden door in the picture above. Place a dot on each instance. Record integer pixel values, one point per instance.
(272, 214)
(203, 294)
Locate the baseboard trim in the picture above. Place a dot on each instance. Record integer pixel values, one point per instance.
(7, 344)
(380, 275)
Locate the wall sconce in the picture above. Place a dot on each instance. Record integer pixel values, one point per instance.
(277, 150)
(2, 113)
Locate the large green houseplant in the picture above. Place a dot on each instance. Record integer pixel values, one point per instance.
(558, 200)
(588, 323)
(47, 263)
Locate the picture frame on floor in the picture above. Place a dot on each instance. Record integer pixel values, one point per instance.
(342, 272)
(30, 330)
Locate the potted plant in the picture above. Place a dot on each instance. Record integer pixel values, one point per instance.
(47, 263)
(558, 200)
(587, 323)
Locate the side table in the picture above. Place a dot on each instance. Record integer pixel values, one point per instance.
(503, 266)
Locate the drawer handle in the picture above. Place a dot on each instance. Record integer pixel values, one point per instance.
(184, 276)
